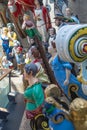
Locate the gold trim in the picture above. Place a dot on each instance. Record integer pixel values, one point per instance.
(73, 88)
(81, 79)
(58, 120)
(38, 116)
(43, 124)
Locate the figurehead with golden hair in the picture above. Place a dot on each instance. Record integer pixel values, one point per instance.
(78, 113)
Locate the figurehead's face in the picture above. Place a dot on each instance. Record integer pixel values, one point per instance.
(51, 31)
(9, 28)
(26, 17)
(4, 59)
(57, 22)
(32, 41)
(68, 12)
(36, 2)
(35, 52)
(5, 30)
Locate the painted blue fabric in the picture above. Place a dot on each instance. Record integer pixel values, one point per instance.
(59, 69)
(5, 45)
(6, 48)
(65, 124)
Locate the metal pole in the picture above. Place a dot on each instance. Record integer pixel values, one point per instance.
(10, 82)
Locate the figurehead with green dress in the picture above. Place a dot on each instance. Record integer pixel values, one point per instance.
(34, 97)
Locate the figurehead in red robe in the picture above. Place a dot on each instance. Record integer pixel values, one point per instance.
(16, 7)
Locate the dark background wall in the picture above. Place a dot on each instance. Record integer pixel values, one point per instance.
(79, 7)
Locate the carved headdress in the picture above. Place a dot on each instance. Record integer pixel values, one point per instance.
(78, 113)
